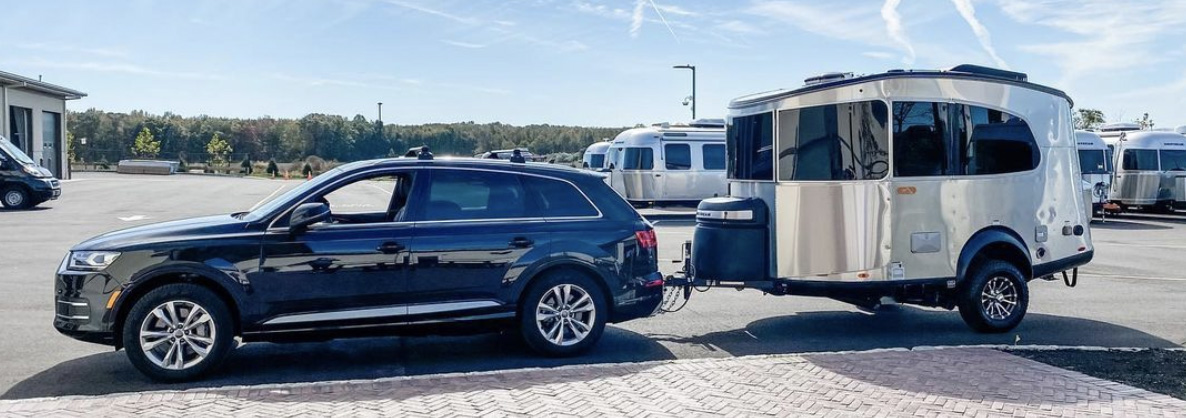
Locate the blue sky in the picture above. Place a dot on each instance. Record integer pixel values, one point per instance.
(586, 62)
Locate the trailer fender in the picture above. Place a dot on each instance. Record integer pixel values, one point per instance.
(996, 243)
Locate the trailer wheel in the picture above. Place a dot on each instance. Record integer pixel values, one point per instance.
(994, 298)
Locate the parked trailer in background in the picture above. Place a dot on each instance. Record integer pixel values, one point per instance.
(594, 156)
(947, 188)
(1149, 165)
(669, 163)
(1095, 165)
(1110, 132)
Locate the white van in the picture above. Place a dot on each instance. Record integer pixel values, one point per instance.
(594, 156)
(950, 189)
(669, 163)
(1150, 166)
(1095, 165)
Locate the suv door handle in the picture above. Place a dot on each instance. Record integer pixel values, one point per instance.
(521, 242)
(390, 248)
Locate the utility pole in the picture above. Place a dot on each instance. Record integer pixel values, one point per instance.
(693, 97)
(380, 113)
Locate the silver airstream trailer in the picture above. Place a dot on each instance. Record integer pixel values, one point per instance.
(594, 156)
(1095, 164)
(1150, 166)
(950, 189)
(669, 163)
(1110, 132)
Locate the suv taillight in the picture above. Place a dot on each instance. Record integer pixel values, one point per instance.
(646, 239)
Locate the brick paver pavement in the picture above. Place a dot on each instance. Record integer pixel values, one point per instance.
(966, 381)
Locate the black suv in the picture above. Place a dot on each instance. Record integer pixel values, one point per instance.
(378, 247)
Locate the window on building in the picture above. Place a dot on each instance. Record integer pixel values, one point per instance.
(845, 141)
(714, 157)
(677, 156)
(638, 159)
(1140, 160)
(751, 147)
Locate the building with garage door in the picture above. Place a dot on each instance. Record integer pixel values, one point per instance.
(34, 118)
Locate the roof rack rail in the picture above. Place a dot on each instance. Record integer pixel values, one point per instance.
(989, 71)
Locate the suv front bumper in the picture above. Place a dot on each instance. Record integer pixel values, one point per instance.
(80, 306)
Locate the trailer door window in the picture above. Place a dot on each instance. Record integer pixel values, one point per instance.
(677, 156)
(638, 159)
(844, 141)
(1140, 160)
(1173, 160)
(998, 143)
(920, 139)
(714, 157)
(751, 147)
(1093, 162)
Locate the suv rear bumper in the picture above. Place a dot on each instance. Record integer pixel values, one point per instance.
(640, 302)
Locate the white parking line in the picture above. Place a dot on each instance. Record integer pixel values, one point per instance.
(268, 198)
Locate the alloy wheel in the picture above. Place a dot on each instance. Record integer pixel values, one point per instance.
(999, 298)
(177, 335)
(565, 314)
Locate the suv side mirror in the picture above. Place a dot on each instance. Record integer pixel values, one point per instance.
(308, 214)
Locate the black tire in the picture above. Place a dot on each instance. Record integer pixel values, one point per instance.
(535, 330)
(988, 310)
(16, 197)
(220, 329)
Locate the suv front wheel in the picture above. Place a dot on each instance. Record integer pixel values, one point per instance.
(178, 332)
(564, 314)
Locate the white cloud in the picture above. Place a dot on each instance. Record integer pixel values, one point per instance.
(70, 49)
(636, 18)
(115, 67)
(881, 55)
(737, 26)
(893, 26)
(1108, 35)
(434, 12)
(461, 44)
(843, 21)
(968, 12)
(676, 10)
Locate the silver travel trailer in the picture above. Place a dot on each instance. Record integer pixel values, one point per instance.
(669, 163)
(1110, 132)
(899, 187)
(1150, 171)
(594, 156)
(1095, 165)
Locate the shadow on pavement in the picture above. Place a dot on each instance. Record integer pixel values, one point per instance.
(347, 359)
(904, 327)
(1127, 226)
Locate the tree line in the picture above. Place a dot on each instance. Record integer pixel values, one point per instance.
(111, 136)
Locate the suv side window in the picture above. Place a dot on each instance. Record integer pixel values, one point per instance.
(474, 195)
(554, 198)
(371, 199)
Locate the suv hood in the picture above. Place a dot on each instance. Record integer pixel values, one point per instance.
(182, 230)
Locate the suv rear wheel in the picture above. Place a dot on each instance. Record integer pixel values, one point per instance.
(563, 314)
(995, 297)
(178, 332)
(16, 197)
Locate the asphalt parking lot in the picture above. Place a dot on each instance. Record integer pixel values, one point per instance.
(1132, 295)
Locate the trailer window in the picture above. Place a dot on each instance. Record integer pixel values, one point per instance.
(751, 147)
(1093, 162)
(677, 156)
(638, 159)
(1173, 160)
(846, 141)
(998, 143)
(597, 161)
(920, 139)
(714, 157)
(1140, 160)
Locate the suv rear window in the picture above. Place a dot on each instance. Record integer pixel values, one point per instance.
(552, 198)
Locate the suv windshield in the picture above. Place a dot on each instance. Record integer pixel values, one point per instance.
(14, 152)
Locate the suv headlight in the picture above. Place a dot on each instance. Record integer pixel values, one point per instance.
(91, 260)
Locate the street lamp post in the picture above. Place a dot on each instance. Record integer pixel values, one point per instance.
(380, 111)
(693, 68)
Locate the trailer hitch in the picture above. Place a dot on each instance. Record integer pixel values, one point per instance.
(677, 288)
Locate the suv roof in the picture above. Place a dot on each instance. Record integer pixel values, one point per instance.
(556, 170)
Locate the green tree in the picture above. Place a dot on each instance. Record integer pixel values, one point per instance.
(146, 146)
(1088, 119)
(218, 149)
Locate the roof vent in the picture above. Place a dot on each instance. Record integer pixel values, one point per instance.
(989, 71)
(826, 78)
